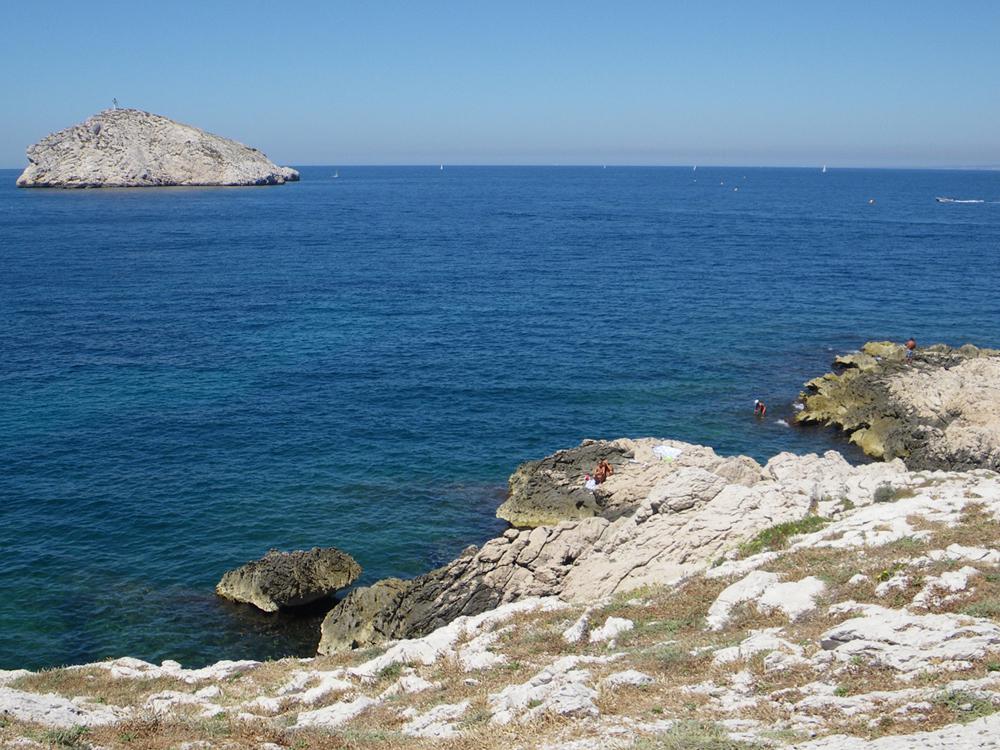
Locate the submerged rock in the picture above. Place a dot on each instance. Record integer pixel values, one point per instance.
(938, 410)
(131, 148)
(289, 579)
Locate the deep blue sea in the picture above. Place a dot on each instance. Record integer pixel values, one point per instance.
(189, 377)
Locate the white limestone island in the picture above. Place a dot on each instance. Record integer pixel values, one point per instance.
(131, 148)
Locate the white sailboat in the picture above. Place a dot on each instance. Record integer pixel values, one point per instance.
(441, 168)
(823, 171)
(694, 168)
(336, 174)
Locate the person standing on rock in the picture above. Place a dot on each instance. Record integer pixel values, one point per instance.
(911, 346)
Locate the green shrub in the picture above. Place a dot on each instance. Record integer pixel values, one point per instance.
(776, 537)
(884, 493)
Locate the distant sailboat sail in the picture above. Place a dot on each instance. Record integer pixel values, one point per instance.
(336, 174)
(694, 168)
(441, 167)
(824, 169)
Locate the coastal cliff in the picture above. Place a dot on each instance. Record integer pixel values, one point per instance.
(936, 409)
(131, 148)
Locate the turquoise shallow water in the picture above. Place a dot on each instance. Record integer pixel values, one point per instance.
(191, 376)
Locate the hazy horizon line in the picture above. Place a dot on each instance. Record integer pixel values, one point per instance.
(610, 165)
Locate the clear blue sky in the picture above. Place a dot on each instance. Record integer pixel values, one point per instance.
(770, 83)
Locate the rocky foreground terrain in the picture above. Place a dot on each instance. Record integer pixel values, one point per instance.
(939, 409)
(131, 148)
(700, 602)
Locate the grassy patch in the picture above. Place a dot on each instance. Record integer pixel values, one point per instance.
(965, 706)
(693, 735)
(776, 537)
(983, 608)
(97, 683)
(72, 737)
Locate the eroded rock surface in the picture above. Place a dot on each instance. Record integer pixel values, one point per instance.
(131, 148)
(683, 518)
(289, 579)
(545, 492)
(938, 410)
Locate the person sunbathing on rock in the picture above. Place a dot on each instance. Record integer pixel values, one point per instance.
(603, 471)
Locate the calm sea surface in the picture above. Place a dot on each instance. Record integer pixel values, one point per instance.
(189, 377)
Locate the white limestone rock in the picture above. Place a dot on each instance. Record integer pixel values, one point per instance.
(793, 599)
(898, 582)
(131, 148)
(438, 722)
(981, 734)
(330, 717)
(166, 702)
(629, 677)
(53, 710)
(747, 589)
(756, 642)
(575, 632)
(912, 643)
(947, 587)
(442, 642)
(960, 553)
(612, 628)
(8, 676)
(128, 668)
(407, 685)
(560, 688)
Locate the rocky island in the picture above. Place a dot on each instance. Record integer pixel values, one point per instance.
(131, 148)
(691, 600)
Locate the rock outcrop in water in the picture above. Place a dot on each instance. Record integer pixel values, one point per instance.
(551, 490)
(289, 579)
(938, 410)
(131, 148)
(671, 518)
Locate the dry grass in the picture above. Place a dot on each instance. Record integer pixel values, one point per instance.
(97, 684)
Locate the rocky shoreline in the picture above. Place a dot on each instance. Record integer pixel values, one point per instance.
(690, 598)
(938, 408)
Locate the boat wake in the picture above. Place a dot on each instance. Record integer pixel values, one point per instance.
(959, 200)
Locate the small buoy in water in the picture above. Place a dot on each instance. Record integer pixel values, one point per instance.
(871, 201)
(722, 183)
(736, 190)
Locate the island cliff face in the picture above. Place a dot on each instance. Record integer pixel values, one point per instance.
(131, 148)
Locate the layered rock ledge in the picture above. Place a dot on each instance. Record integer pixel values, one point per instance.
(939, 409)
(289, 579)
(666, 518)
(131, 148)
